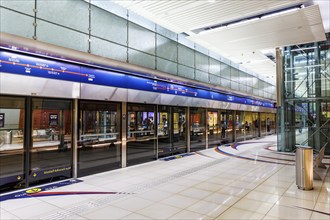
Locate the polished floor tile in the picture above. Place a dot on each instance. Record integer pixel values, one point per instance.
(159, 211)
(205, 185)
(253, 205)
(236, 213)
(285, 212)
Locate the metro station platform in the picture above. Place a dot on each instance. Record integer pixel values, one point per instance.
(248, 180)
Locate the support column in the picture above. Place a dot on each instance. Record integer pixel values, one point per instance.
(74, 146)
(27, 139)
(318, 93)
(124, 134)
(188, 129)
(234, 127)
(207, 129)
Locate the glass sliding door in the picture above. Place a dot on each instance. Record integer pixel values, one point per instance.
(270, 123)
(141, 133)
(229, 124)
(99, 143)
(179, 129)
(239, 126)
(11, 143)
(263, 122)
(214, 134)
(171, 130)
(248, 125)
(50, 153)
(197, 129)
(255, 125)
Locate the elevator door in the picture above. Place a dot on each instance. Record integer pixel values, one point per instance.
(51, 152)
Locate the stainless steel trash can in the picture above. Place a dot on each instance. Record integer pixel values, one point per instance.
(9, 137)
(304, 167)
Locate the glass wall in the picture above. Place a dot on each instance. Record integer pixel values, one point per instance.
(51, 152)
(141, 133)
(12, 114)
(197, 129)
(99, 139)
(304, 114)
(124, 36)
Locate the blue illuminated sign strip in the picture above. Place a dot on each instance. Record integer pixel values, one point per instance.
(41, 67)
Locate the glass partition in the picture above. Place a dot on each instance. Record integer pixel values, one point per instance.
(264, 124)
(229, 125)
(11, 143)
(141, 133)
(51, 154)
(99, 143)
(171, 130)
(214, 134)
(197, 129)
(240, 127)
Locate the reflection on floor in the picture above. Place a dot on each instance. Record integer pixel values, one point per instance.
(249, 180)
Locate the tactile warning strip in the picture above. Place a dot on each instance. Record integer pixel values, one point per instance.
(87, 206)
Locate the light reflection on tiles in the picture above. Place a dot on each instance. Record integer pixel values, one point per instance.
(206, 185)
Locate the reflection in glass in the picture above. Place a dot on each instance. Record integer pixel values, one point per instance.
(51, 135)
(197, 129)
(99, 144)
(240, 126)
(229, 124)
(171, 130)
(141, 134)
(11, 143)
(214, 134)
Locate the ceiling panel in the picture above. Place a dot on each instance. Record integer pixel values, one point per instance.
(243, 42)
(184, 16)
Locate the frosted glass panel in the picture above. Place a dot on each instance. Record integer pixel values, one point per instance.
(242, 87)
(225, 82)
(64, 37)
(202, 76)
(186, 56)
(255, 92)
(166, 66)
(215, 80)
(255, 82)
(15, 23)
(108, 26)
(225, 71)
(167, 48)
(107, 49)
(72, 14)
(249, 80)
(214, 67)
(25, 6)
(242, 78)
(141, 59)
(186, 72)
(141, 39)
(234, 74)
(234, 85)
(202, 62)
(249, 90)
(167, 33)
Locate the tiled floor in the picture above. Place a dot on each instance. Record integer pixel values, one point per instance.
(246, 181)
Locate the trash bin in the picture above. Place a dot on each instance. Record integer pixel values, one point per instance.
(304, 167)
(9, 137)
